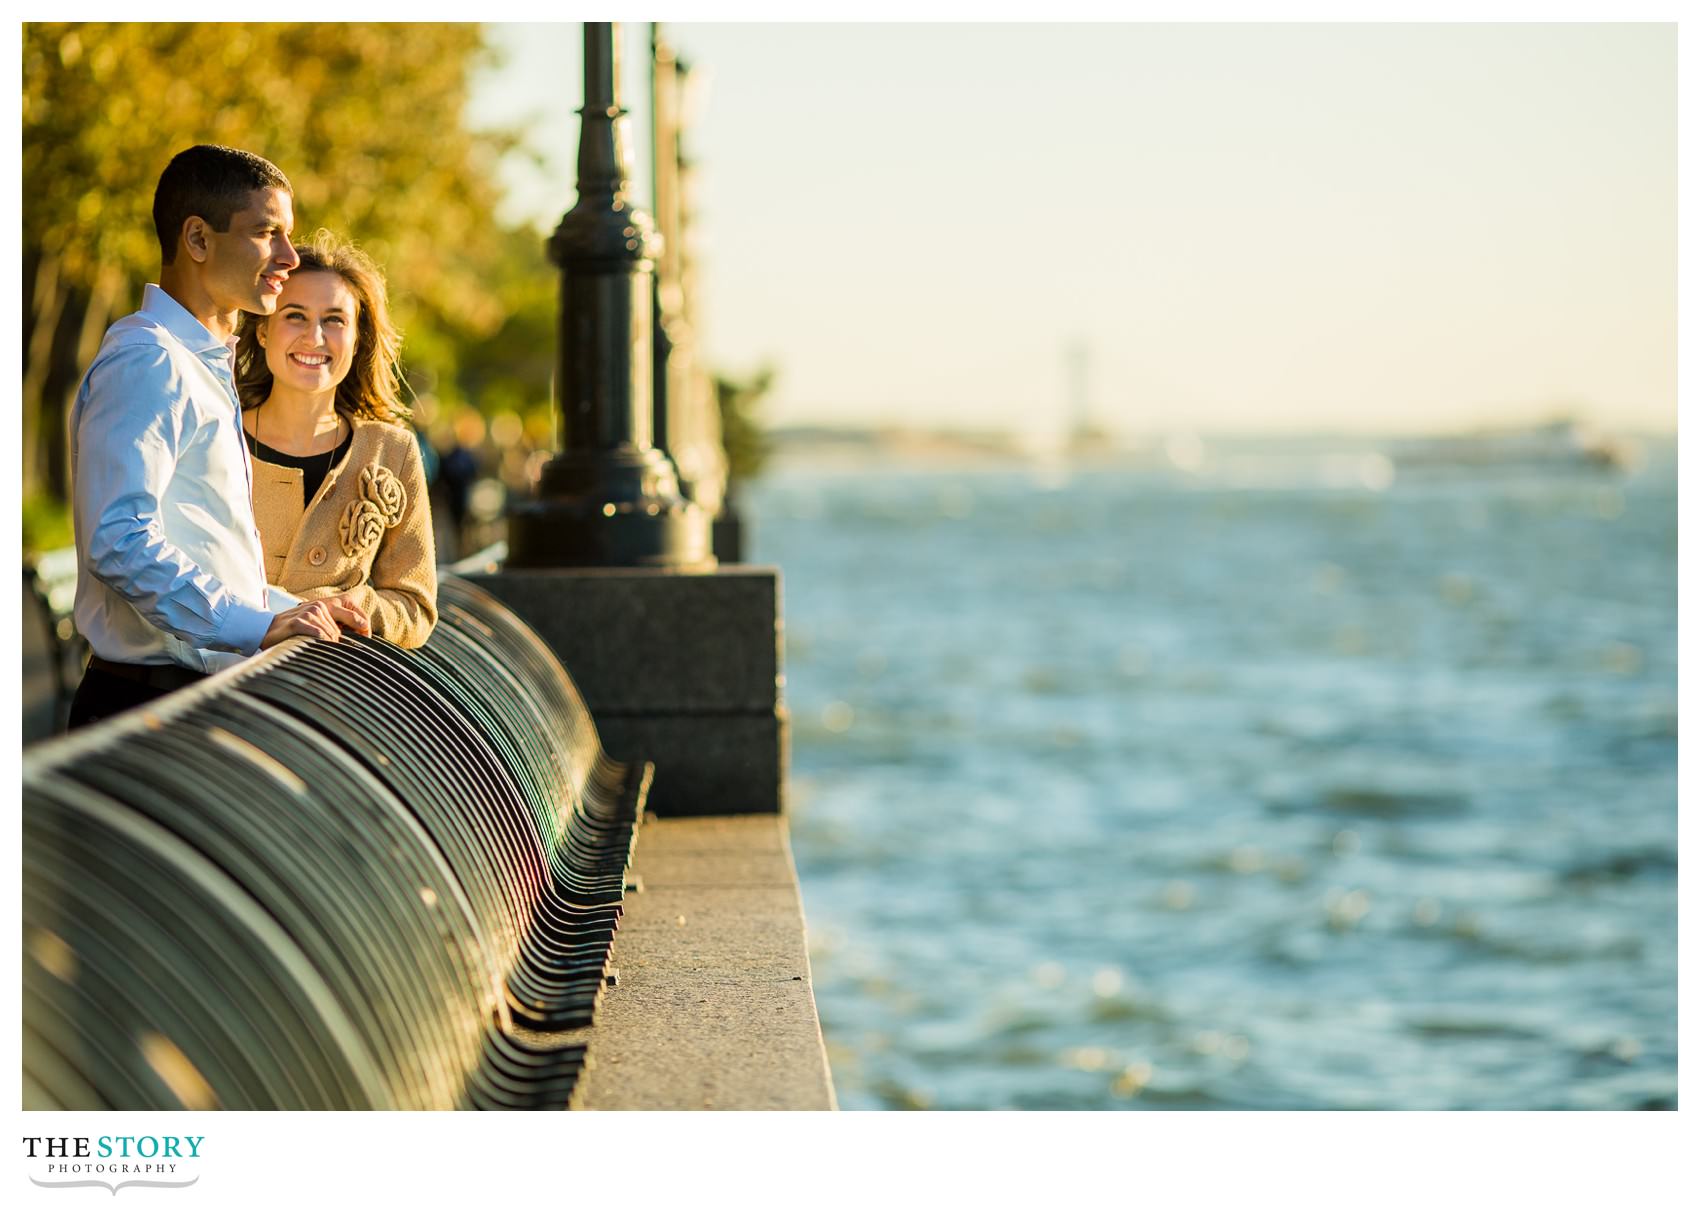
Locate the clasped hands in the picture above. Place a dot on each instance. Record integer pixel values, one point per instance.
(323, 619)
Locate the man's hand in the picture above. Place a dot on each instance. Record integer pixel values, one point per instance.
(323, 619)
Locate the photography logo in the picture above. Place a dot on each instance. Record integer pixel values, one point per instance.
(113, 1162)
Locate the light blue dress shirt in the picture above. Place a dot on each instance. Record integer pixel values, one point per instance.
(169, 564)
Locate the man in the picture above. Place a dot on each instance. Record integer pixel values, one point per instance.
(171, 582)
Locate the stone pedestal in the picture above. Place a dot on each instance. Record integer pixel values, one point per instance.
(681, 668)
(728, 536)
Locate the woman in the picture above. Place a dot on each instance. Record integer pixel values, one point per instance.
(339, 485)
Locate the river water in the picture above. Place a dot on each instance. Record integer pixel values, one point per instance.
(1272, 785)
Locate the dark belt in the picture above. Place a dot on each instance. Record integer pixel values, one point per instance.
(160, 677)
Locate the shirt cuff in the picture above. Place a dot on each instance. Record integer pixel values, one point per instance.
(243, 628)
(280, 600)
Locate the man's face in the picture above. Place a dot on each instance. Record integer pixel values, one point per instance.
(246, 265)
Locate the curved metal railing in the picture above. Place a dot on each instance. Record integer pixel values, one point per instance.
(338, 875)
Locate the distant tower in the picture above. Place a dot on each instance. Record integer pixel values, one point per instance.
(1084, 437)
(1077, 357)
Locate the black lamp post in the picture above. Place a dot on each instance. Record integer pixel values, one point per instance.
(610, 497)
(686, 416)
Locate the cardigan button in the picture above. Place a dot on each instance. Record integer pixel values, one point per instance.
(316, 556)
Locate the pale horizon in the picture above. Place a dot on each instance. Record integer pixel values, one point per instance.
(1364, 229)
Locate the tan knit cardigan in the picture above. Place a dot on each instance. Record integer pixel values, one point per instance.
(367, 530)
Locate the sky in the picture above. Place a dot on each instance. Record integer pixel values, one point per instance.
(1250, 228)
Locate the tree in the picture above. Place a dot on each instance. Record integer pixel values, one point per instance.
(366, 121)
(747, 445)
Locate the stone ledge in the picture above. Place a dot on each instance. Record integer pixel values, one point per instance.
(719, 1012)
(710, 870)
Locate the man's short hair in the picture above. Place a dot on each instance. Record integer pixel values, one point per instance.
(212, 182)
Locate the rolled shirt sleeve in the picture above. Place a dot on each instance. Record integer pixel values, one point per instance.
(132, 429)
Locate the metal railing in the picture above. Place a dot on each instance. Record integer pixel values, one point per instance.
(53, 651)
(336, 876)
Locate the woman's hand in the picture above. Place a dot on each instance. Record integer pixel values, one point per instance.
(323, 619)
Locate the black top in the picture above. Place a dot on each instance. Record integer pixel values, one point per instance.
(314, 467)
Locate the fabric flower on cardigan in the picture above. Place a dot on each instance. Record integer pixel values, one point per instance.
(379, 485)
(362, 525)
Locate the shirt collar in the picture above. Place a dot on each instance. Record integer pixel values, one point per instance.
(176, 320)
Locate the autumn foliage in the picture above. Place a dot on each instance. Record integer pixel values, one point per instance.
(366, 121)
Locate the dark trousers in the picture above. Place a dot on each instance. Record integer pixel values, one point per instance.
(102, 694)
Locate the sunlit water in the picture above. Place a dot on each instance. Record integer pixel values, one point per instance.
(1268, 791)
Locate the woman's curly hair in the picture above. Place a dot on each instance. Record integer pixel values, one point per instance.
(372, 388)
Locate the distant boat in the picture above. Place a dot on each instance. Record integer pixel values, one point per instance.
(1559, 443)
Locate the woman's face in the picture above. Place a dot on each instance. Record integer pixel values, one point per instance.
(310, 339)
